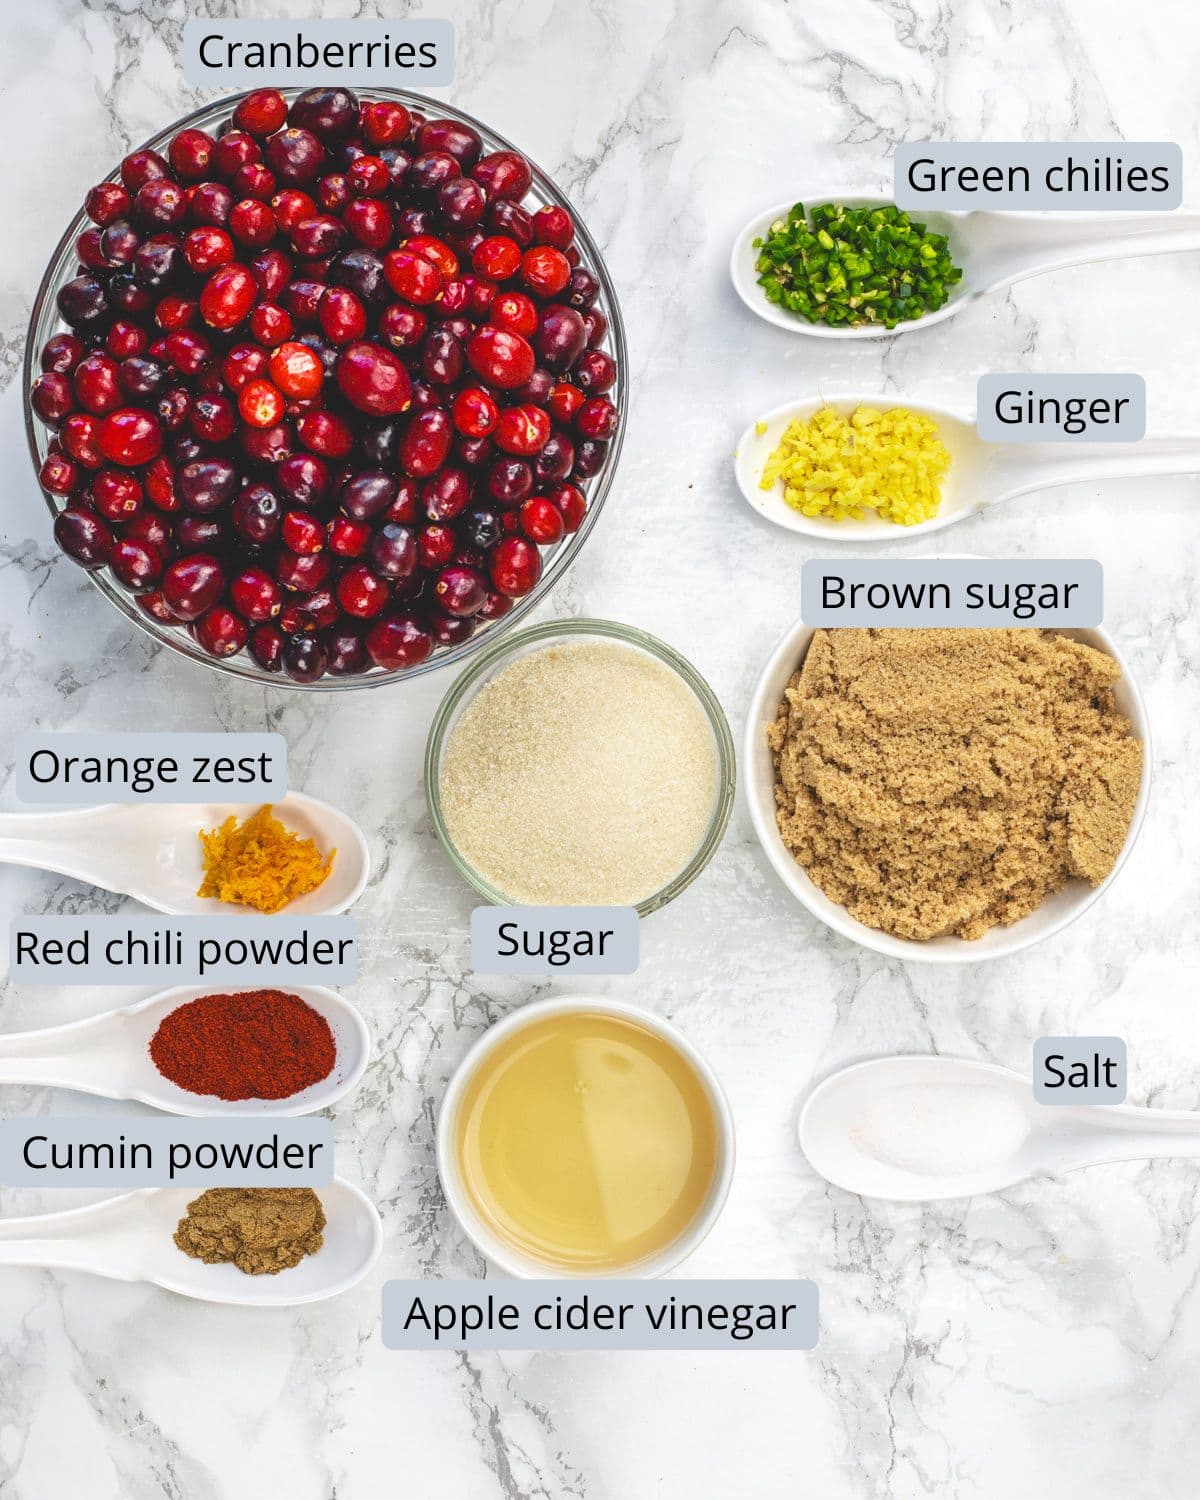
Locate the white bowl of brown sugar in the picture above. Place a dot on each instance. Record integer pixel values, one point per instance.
(946, 796)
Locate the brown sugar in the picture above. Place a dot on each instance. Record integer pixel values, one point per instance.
(947, 781)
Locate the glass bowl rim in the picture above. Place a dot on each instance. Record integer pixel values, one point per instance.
(175, 638)
(629, 635)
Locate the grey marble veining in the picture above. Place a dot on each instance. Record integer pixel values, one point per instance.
(1042, 1341)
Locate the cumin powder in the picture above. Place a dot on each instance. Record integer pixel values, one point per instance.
(947, 781)
(260, 1230)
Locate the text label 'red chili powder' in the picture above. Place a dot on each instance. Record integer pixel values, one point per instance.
(257, 1044)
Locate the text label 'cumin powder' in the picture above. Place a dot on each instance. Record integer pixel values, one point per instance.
(947, 781)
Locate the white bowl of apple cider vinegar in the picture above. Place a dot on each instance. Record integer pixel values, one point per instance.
(583, 1137)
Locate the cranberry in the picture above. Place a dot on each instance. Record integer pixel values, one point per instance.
(557, 458)
(589, 457)
(140, 167)
(136, 564)
(227, 296)
(503, 174)
(369, 223)
(516, 312)
(553, 226)
(212, 419)
(385, 123)
(582, 289)
(266, 647)
(207, 484)
(270, 324)
(401, 326)
(261, 113)
(160, 202)
(191, 585)
(256, 515)
(260, 403)
(59, 474)
(129, 437)
(393, 552)
(522, 430)
(596, 325)
(545, 270)
(347, 537)
(461, 202)
(516, 565)
(272, 271)
(564, 401)
(500, 357)
(82, 302)
(435, 547)
(346, 651)
(295, 156)
(542, 521)
(429, 172)
(497, 257)
(209, 203)
(373, 380)
(460, 590)
(302, 574)
(509, 481)
(398, 642)
(327, 112)
(53, 399)
(561, 338)
(441, 358)
(116, 495)
(426, 443)
(412, 277)
(290, 206)
(221, 632)
(595, 372)
(107, 202)
(83, 536)
(255, 595)
(61, 353)
(252, 223)
(325, 433)
(302, 532)
(368, 494)
(233, 151)
(597, 418)
(475, 412)
(362, 593)
(341, 315)
(149, 528)
(79, 433)
(297, 371)
(362, 272)
(446, 495)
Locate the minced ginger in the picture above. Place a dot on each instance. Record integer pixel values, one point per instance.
(260, 863)
(947, 781)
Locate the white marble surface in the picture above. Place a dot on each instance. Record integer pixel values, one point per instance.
(1046, 1340)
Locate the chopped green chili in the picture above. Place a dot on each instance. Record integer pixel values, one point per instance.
(850, 266)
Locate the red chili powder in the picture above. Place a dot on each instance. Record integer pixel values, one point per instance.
(259, 1044)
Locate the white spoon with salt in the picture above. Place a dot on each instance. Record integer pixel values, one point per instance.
(152, 851)
(980, 473)
(919, 1128)
(130, 1238)
(992, 249)
(108, 1056)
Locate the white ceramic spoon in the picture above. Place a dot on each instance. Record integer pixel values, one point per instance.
(979, 474)
(108, 1055)
(130, 1238)
(917, 1128)
(152, 852)
(993, 249)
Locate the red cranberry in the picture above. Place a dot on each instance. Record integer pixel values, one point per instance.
(401, 326)
(140, 167)
(342, 317)
(302, 532)
(503, 174)
(297, 371)
(260, 404)
(212, 419)
(435, 547)
(475, 412)
(129, 437)
(325, 433)
(107, 202)
(497, 257)
(460, 590)
(545, 270)
(500, 357)
(252, 223)
(221, 632)
(160, 202)
(59, 474)
(116, 495)
(426, 443)
(53, 399)
(261, 113)
(302, 574)
(398, 642)
(191, 585)
(522, 430)
(266, 647)
(373, 380)
(412, 277)
(136, 564)
(385, 123)
(595, 372)
(369, 222)
(347, 537)
(542, 521)
(597, 418)
(553, 226)
(516, 565)
(362, 593)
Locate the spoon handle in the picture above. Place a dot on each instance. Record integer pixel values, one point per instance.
(95, 1238)
(1020, 468)
(1021, 245)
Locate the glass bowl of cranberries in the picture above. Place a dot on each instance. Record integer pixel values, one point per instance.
(325, 391)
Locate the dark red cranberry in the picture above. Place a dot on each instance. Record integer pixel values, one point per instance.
(503, 174)
(441, 358)
(140, 167)
(328, 112)
(59, 474)
(510, 219)
(589, 457)
(256, 515)
(398, 642)
(556, 460)
(361, 271)
(295, 156)
(303, 479)
(266, 647)
(83, 536)
(82, 302)
(141, 377)
(451, 630)
(160, 202)
(460, 590)
(346, 651)
(222, 632)
(119, 243)
(107, 202)
(597, 418)
(561, 338)
(200, 534)
(367, 494)
(446, 495)
(305, 658)
(302, 574)
(191, 154)
(193, 584)
(393, 552)
(149, 528)
(455, 139)
(207, 484)
(52, 397)
(159, 262)
(209, 203)
(509, 482)
(61, 353)
(461, 202)
(430, 171)
(136, 564)
(596, 325)
(582, 289)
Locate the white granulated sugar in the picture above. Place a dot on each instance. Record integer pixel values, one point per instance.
(582, 774)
